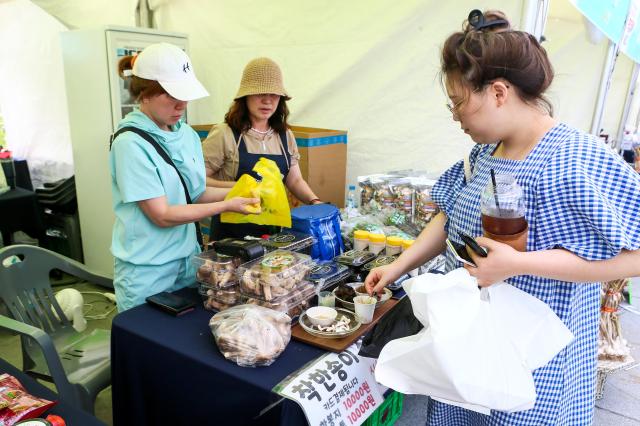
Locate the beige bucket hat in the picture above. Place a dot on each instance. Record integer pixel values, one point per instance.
(261, 76)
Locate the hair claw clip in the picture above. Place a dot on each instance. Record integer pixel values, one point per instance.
(478, 22)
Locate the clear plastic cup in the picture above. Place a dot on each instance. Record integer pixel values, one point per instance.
(327, 298)
(504, 220)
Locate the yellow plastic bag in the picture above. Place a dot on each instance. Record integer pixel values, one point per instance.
(272, 194)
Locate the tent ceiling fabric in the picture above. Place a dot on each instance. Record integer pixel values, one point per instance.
(78, 14)
(370, 67)
(32, 91)
(367, 66)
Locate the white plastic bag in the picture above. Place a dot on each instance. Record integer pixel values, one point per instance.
(477, 349)
(251, 335)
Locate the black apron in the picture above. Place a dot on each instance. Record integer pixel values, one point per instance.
(246, 163)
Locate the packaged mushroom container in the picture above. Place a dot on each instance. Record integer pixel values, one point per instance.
(216, 270)
(275, 275)
(292, 304)
(216, 299)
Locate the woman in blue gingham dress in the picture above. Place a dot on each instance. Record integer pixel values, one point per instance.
(582, 203)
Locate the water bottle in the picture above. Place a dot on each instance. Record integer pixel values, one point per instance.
(351, 197)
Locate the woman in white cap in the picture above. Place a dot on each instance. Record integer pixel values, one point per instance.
(255, 126)
(158, 178)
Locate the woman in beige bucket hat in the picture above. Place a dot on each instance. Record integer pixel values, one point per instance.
(255, 126)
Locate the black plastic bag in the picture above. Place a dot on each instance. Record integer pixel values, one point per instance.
(400, 322)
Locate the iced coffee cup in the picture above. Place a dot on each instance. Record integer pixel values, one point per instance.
(502, 206)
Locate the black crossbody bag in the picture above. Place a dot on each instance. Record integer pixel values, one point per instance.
(162, 153)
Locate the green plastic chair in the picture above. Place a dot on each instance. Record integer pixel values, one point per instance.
(78, 364)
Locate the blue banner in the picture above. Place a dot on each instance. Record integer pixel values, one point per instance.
(630, 44)
(608, 15)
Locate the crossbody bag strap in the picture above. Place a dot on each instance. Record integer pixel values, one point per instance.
(467, 168)
(162, 153)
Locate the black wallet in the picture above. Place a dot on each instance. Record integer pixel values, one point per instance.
(171, 303)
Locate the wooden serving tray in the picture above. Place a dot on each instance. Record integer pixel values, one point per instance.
(339, 345)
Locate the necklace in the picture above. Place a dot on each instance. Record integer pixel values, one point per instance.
(263, 136)
(266, 132)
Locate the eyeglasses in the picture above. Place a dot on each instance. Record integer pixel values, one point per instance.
(453, 108)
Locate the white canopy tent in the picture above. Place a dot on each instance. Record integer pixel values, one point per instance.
(366, 66)
(370, 67)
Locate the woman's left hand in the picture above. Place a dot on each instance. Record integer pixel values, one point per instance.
(501, 262)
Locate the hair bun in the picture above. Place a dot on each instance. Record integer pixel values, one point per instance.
(491, 20)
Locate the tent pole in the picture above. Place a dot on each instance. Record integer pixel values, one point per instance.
(605, 83)
(534, 17)
(143, 17)
(627, 104)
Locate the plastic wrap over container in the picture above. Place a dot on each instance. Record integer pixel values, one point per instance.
(216, 270)
(292, 304)
(275, 275)
(216, 299)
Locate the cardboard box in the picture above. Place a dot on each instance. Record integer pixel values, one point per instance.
(323, 161)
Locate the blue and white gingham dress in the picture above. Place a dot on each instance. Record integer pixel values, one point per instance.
(579, 196)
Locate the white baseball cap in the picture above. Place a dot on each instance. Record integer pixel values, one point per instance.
(171, 67)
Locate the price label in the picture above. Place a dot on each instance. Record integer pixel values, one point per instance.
(336, 389)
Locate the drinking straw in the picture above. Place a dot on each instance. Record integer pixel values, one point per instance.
(495, 190)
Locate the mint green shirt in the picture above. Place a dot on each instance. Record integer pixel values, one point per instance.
(139, 173)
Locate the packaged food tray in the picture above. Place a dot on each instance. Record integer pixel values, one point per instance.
(216, 270)
(274, 275)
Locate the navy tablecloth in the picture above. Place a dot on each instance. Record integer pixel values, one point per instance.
(72, 416)
(168, 370)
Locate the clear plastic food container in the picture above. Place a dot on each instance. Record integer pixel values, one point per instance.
(379, 261)
(216, 299)
(216, 270)
(355, 258)
(327, 273)
(293, 304)
(275, 275)
(290, 240)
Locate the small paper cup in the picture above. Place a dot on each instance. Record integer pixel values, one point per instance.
(364, 308)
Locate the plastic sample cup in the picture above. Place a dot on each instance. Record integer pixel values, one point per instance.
(326, 298)
(364, 307)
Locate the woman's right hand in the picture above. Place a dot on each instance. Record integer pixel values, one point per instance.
(243, 205)
(380, 277)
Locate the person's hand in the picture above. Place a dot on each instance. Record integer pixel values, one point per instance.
(501, 262)
(244, 205)
(380, 277)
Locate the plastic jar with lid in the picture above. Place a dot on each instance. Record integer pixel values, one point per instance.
(394, 246)
(377, 243)
(407, 243)
(360, 240)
